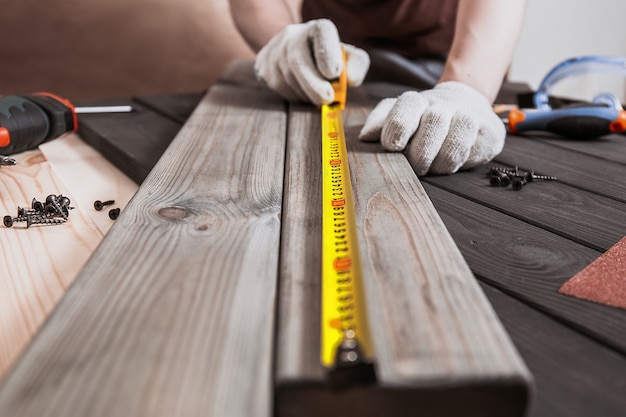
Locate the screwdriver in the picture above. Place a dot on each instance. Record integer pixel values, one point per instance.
(578, 121)
(27, 121)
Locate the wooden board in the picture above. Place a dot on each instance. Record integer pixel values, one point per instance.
(175, 107)
(571, 167)
(173, 314)
(440, 356)
(133, 142)
(609, 147)
(592, 220)
(298, 333)
(528, 263)
(39, 263)
(89, 177)
(575, 376)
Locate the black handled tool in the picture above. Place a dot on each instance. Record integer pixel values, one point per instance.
(27, 121)
(575, 121)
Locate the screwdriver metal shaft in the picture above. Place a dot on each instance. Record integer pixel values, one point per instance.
(103, 109)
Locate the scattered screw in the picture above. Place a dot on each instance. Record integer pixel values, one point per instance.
(499, 178)
(6, 161)
(499, 170)
(36, 205)
(8, 221)
(65, 204)
(99, 205)
(530, 176)
(43, 220)
(64, 201)
(114, 213)
(22, 211)
(518, 182)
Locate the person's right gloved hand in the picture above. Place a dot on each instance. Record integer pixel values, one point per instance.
(298, 62)
(441, 130)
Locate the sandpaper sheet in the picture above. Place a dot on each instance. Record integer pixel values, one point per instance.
(604, 280)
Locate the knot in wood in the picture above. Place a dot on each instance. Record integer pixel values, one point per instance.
(174, 213)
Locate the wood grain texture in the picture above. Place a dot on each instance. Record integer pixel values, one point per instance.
(298, 333)
(410, 256)
(439, 347)
(609, 147)
(89, 177)
(594, 174)
(581, 216)
(39, 263)
(575, 376)
(173, 314)
(529, 263)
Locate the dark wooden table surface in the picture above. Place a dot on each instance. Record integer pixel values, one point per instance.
(521, 245)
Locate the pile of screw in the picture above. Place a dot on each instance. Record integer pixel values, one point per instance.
(55, 210)
(502, 177)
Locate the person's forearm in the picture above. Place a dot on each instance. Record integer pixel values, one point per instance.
(259, 20)
(484, 41)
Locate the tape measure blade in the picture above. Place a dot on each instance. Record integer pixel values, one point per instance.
(345, 339)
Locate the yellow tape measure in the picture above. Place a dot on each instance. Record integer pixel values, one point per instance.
(345, 339)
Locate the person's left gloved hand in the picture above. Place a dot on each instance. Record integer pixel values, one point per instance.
(441, 130)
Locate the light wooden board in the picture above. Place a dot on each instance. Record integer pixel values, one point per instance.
(439, 346)
(38, 263)
(173, 314)
(89, 176)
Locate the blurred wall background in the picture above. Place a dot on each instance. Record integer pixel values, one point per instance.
(555, 30)
(113, 48)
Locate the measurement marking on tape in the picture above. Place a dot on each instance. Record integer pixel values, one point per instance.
(345, 339)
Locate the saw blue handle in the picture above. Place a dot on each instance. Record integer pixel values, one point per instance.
(575, 122)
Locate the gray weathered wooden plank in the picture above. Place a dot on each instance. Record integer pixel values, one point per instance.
(579, 215)
(439, 347)
(579, 169)
(173, 315)
(575, 376)
(609, 147)
(529, 263)
(298, 335)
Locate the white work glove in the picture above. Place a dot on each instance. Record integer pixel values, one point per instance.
(298, 62)
(442, 130)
